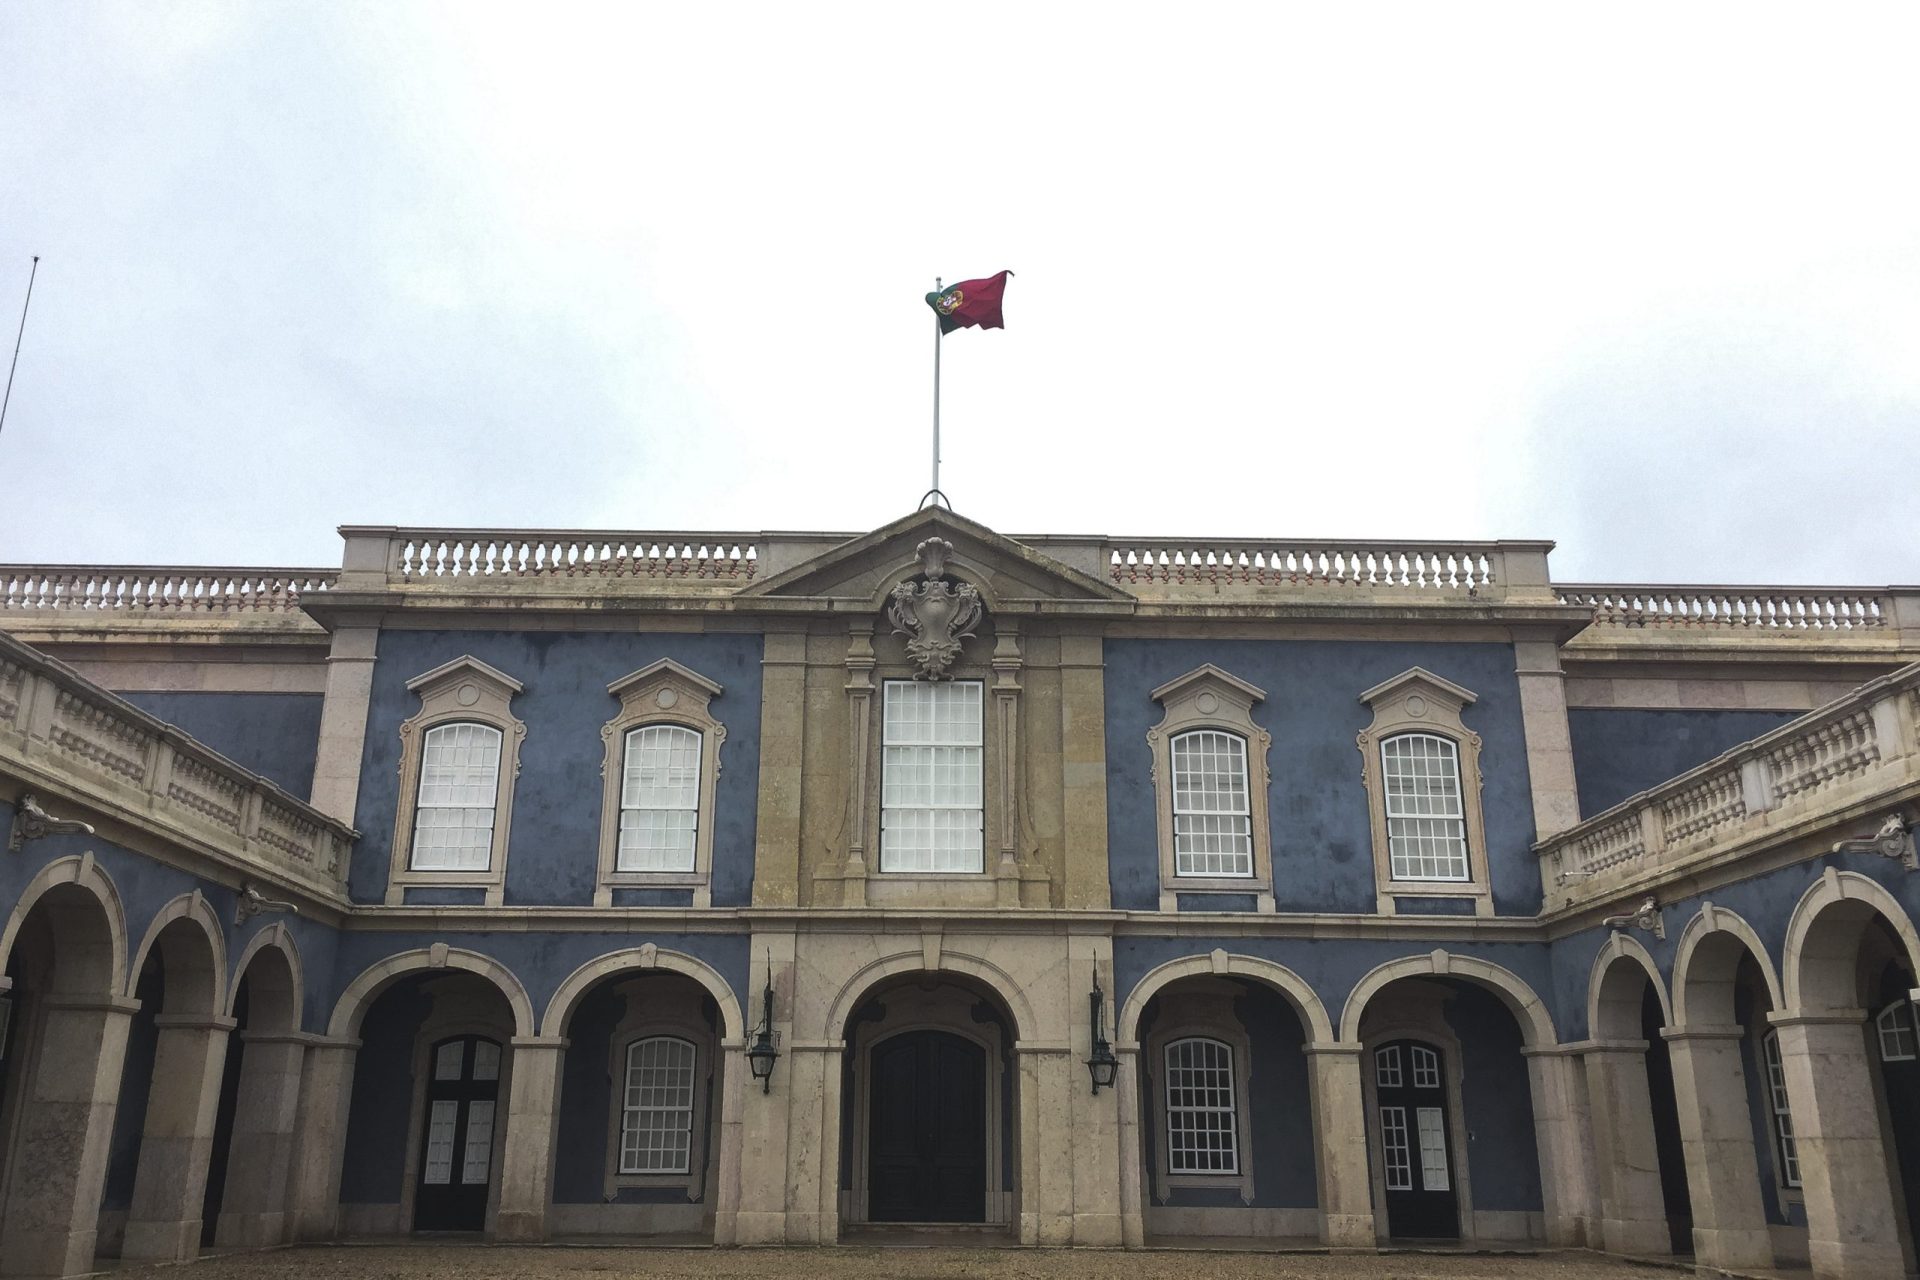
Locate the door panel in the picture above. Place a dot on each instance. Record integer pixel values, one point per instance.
(927, 1135)
(456, 1155)
(1416, 1140)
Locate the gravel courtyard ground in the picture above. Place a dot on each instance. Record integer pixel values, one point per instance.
(475, 1262)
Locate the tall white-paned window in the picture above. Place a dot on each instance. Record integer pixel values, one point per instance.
(931, 777)
(1895, 1025)
(659, 799)
(1782, 1115)
(459, 783)
(656, 1114)
(1426, 821)
(1212, 815)
(1202, 1132)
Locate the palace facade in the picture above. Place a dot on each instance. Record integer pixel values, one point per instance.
(796, 888)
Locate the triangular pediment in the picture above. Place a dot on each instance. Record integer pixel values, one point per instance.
(1011, 576)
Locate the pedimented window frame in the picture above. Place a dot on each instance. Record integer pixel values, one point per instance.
(662, 692)
(1209, 698)
(1418, 701)
(463, 691)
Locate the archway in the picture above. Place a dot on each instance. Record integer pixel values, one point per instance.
(247, 1183)
(64, 951)
(1644, 1203)
(1742, 1194)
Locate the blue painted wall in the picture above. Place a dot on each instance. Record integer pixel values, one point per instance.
(554, 842)
(1322, 859)
(1501, 1150)
(383, 1089)
(273, 734)
(1619, 752)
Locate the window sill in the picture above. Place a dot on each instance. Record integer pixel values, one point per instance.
(698, 881)
(1260, 889)
(400, 881)
(1479, 894)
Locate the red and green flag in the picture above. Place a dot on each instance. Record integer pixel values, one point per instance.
(971, 303)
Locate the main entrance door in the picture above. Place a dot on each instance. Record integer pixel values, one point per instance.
(456, 1157)
(927, 1134)
(1409, 1080)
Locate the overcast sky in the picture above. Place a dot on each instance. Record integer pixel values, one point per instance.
(1641, 279)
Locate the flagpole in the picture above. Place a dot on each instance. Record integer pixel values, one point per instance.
(936, 393)
(35, 271)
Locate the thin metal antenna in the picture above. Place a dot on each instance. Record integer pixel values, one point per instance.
(8, 398)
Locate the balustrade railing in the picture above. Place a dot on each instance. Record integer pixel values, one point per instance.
(1467, 569)
(58, 726)
(157, 590)
(1855, 751)
(453, 555)
(1756, 609)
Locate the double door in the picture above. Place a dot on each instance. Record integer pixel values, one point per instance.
(927, 1134)
(456, 1157)
(1410, 1104)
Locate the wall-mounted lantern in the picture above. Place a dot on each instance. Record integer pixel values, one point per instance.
(1102, 1066)
(763, 1055)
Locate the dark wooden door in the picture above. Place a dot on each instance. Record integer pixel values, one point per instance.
(456, 1152)
(927, 1130)
(1410, 1087)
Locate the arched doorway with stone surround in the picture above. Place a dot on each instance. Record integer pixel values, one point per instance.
(1644, 1203)
(1221, 1117)
(1849, 944)
(1734, 1129)
(150, 1207)
(64, 952)
(432, 1082)
(249, 1171)
(1465, 1104)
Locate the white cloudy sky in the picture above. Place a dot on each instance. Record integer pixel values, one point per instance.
(1644, 279)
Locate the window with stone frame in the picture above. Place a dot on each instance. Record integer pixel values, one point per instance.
(459, 759)
(1787, 1150)
(932, 777)
(1420, 764)
(1211, 782)
(660, 772)
(1894, 1029)
(1196, 1054)
(661, 1060)
(656, 1108)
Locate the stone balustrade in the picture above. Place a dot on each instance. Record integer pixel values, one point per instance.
(1857, 756)
(1749, 609)
(456, 556)
(73, 743)
(158, 591)
(1158, 567)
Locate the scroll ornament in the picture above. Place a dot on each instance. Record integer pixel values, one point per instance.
(936, 615)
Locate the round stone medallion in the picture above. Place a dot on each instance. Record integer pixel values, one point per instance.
(1207, 704)
(467, 695)
(1416, 705)
(666, 698)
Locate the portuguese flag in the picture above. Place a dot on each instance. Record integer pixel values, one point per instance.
(970, 303)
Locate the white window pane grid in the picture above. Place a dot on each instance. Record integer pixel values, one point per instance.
(1782, 1115)
(1386, 1067)
(1393, 1142)
(479, 1155)
(1201, 1129)
(1426, 821)
(1896, 1033)
(656, 1127)
(446, 1060)
(1212, 824)
(659, 799)
(440, 1125)
(486, 1060)
(1433, 1149)
(932, 778)
(453, 812)
(1426, 1068)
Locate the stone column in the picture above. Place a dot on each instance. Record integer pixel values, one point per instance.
(1044, 1189)
(1853, 1220)
(533, 1119)
(170, 1182)
(782, 1187)
(736, 1073)
(1133, 1154)
(1716, 1136)
(64, 1128)
(1633, 1212)
(320, 1139)
(1543, 714)
(343, 719)
(1340, 1136)
(1561, 1135)
(253, 1207)
(1095, 1154)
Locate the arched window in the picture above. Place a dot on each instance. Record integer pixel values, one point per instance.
(454, 807)
(659, 799)
(1426, 819)
(1782, 1116)
(1895, 1025)
(1202, 1125)
(656, 1110)
(1212, 810)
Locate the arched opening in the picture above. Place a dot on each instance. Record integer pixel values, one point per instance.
(929, 1110)
(1742, 1178)
(59, 1072)
(163, 1123)
(1645, 1204)
(247, 1178)
(1450, 1120)
(426, 1124)
(640, 1108)
(1226, 1117)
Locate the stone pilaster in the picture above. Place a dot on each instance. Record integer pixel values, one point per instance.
(1083, 765)
(1633, 1213)
(783, 725)
(170, 1181)
(1133, 1151)
(320, 1139)
(1716, 1137)
(253, 1207)
(776, 1201)
(1095, 1151)
(1543, 714)
(1561, 1132)
(343, 720)
(1340, 1137)
(1853, 1221)
(533, 1119)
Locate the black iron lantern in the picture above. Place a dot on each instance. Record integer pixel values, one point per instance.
(762, 1055)
(1102, 1066)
